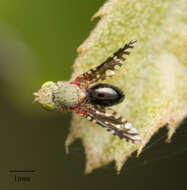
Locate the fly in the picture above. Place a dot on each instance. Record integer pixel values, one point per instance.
(90, 100)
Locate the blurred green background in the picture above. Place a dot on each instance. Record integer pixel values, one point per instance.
(38, 42)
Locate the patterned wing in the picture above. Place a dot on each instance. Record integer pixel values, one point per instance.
(110, 120)
(105, 69)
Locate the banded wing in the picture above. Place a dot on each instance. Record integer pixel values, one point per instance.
(105, 69)
(110, 120)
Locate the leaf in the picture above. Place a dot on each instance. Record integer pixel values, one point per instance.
(154, 76)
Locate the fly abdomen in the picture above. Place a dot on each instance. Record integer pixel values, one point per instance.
(105, 95)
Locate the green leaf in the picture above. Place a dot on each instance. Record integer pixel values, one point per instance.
(154, 76)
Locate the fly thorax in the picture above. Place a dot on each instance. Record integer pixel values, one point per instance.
(66, 96)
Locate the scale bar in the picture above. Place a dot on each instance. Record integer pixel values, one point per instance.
(22, 171)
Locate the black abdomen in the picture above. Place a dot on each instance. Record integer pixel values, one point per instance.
(105, 95)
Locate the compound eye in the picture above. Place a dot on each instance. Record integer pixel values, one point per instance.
(48, 107)
(47, 84)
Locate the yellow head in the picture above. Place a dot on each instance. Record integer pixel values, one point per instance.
(45, 95)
